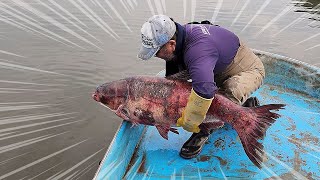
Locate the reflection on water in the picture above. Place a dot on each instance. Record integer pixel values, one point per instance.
(310, 6)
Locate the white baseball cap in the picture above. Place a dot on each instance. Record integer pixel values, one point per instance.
(156, 32)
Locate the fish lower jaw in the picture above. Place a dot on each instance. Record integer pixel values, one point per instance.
(107, 107)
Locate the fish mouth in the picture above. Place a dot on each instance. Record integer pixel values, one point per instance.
(96, 96)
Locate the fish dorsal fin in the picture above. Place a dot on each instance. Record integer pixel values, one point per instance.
(182, 75)
(163, 130)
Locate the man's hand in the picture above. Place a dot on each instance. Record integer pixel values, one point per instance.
(194, 113)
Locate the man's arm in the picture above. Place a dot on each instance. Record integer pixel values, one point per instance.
(201, 61)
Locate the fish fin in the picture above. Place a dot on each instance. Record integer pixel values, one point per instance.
(134, 123)
(174, 130)
(209, 126)
(182, 75)
(254, 129)
(163, 130)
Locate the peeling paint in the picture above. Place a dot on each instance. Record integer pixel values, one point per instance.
(204, 158)
(219, 143)
(222, 161)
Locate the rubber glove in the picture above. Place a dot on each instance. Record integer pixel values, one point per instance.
(194, 113)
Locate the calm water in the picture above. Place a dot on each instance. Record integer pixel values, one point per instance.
(54, 54)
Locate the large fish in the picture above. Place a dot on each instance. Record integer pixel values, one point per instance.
(159, 102)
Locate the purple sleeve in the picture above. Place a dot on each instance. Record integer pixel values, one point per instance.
(201, 58)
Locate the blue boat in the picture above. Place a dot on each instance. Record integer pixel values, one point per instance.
(292, 147)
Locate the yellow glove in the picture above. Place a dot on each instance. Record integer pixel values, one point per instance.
(194, 113)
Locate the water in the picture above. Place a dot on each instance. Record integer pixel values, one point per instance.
(54, 54)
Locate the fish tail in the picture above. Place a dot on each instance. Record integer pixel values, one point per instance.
(255, 128)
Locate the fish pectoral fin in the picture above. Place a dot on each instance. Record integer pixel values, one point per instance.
(174, 130)
(163, 130)
(134, 124)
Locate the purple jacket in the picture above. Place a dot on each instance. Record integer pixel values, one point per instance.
(204, 50)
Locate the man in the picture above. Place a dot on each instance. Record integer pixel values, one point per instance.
(214, 57)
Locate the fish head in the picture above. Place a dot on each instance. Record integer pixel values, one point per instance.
(112, 94)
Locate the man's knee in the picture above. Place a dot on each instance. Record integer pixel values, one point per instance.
(233, 92)
(239, 87)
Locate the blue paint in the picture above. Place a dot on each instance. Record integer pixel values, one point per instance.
(291, 144)
(123, 146)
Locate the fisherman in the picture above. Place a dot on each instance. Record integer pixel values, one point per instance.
(215, 59)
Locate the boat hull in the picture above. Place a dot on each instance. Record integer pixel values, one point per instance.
(291, 144)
